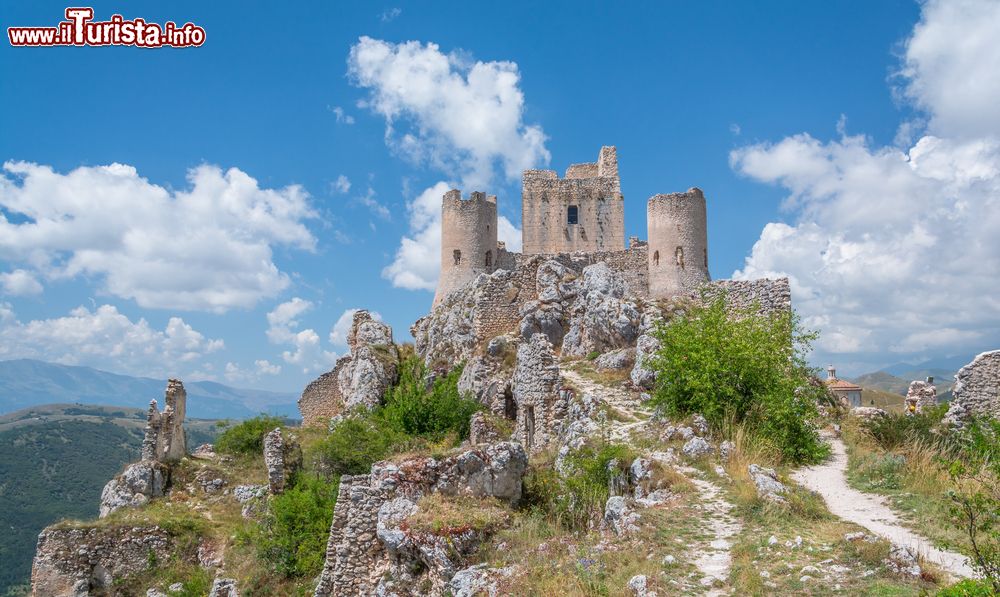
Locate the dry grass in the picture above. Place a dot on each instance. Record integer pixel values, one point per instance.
(439, 514)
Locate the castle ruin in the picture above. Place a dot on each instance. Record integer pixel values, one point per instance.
(579, 217)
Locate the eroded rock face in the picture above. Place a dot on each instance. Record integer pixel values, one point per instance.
(367, 536)
(643, 376)
(79, 562)
(358, 379)
(135, 486)
(602, 318)
(283, 457)
(557, 287)
(164, 439)
(224, 587)
(977, 390)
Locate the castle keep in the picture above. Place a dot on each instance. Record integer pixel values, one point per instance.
(580, 217)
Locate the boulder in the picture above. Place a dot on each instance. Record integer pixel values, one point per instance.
(903, 561)
(616, 360)
(639, 586)
(135, 486)
(766, 481)
(868, 413)
(619, 516)
(480, 580)
(696, 447)
(224, 587)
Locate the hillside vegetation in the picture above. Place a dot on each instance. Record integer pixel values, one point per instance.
(54, 462)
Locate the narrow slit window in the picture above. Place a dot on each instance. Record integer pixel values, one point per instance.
(457, 255)
(489, 258)
(572, 215)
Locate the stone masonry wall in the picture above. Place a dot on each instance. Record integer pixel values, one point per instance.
(768, 295)
(468, 240)
(678, 243)
(977, 389)
(594, 189)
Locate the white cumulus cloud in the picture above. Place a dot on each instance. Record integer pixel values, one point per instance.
(19, 283)
(106, 338)
(895, 250)
(208, 247)
(283, 324)
(462, 118)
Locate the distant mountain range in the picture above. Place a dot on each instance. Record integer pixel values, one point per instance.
(886, 381)
(26, 382)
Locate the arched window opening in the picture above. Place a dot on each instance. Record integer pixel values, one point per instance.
(457, 255)
(679, 254)
(656, 258)
(509, 406)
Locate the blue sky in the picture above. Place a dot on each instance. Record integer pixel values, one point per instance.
(793, 117)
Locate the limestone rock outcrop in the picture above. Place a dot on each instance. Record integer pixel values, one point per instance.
(367, 537)
(283, 457)
(977, 390)
(77, 562)
(557, 286)
(134, 487)
(164, 443)
(766, 481)
(602, 317)
(358, 379)
(643, 376)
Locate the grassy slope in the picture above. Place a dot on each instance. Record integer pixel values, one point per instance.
(54, 462)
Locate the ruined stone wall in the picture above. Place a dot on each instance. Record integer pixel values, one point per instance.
(541, 407)
(353, 550)
(468, 240)
(678, 243)
(164, 439)
(767, 295)
(70, 562)
(322, 398)
(594, 189)
(977, 389)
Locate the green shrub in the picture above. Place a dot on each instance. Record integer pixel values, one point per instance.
(898, 429)
(247, 437)
(354, 444)
(410, 407)
(578, 495)
(881, 471)
(293, 534)
(968, 588)
(975, 497)
(737, 367)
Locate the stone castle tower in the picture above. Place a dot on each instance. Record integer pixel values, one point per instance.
(583, 211)
(580, 216)
(678, 243)
(468, 240)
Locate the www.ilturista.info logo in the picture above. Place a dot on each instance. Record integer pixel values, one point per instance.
(79, 29)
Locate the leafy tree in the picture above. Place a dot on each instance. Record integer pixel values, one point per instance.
(737, 367)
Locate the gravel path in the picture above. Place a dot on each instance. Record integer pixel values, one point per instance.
(870, 510)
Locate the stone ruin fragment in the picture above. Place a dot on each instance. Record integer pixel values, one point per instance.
(164, 443)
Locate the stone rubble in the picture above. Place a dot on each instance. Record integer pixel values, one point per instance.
(766, 481)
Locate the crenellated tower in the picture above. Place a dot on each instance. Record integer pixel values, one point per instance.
(468, 240)
(583, 211)
(678, 243)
